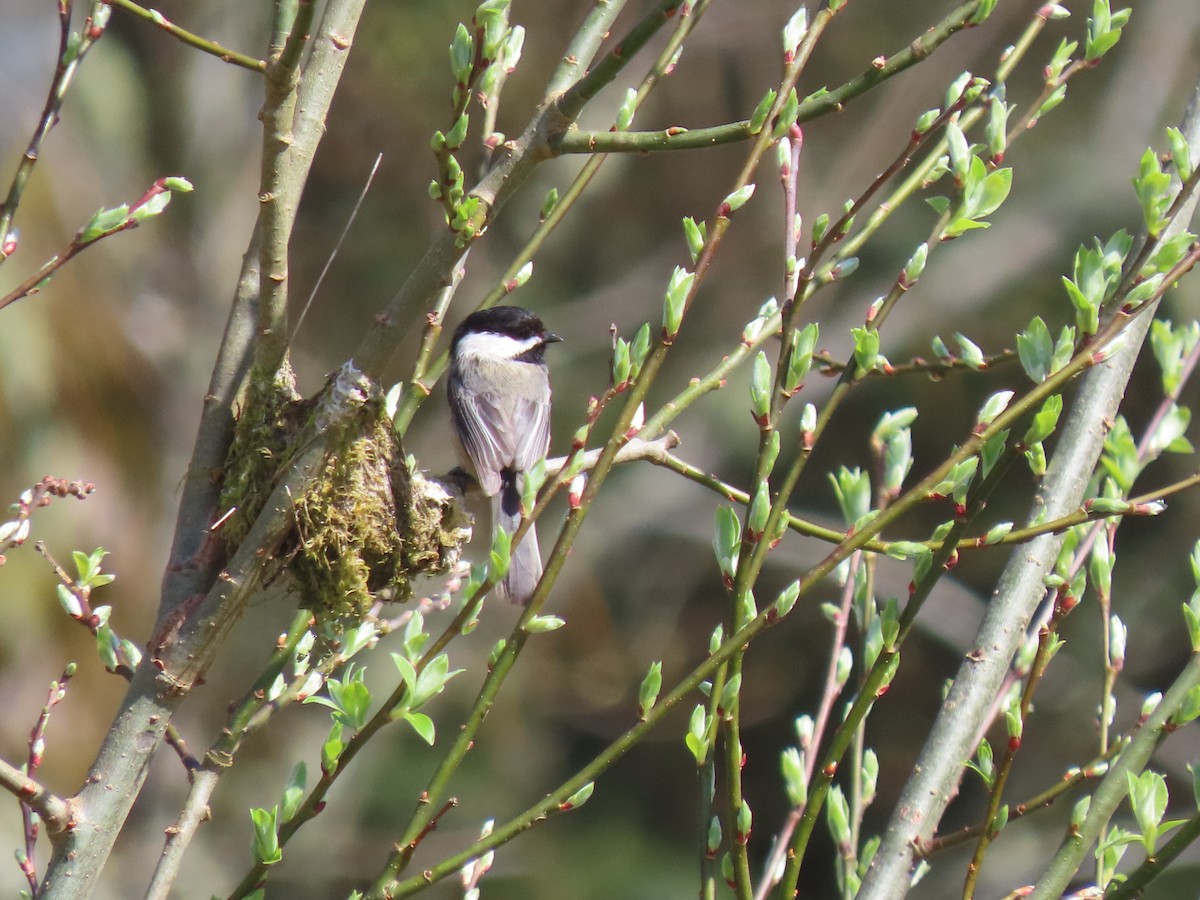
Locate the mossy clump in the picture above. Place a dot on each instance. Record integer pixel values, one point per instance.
(350, 548)
(365, 526)
(264, 439)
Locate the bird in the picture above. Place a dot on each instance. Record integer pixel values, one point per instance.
(499, 397)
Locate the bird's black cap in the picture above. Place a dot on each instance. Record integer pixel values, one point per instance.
(512, 321)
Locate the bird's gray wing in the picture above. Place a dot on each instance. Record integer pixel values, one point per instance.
(532, 432)
(481, 424)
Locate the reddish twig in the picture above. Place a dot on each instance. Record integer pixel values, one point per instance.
(37, 746)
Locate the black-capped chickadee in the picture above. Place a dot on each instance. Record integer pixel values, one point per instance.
(499, 390)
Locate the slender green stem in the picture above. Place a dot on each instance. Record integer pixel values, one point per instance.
(742, 886)
(578, 94)
(1045, 652)
(192, 40)
(833, 101)
(584, 45)
(675, 138)
(66, 66)
(708, 859)
(1045, 799)
(34, 282)
(241, 721)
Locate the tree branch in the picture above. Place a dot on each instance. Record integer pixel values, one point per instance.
(53, 810)
(197, 608)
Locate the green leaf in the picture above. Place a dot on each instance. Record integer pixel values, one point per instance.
(993, 406)
(152, 207)
(462, 53)
(795, 29)
(331, 750)
(996, 129)
(1057, 96)
(960, 152)
(501, 553)
(787, 599)
(837, 812)
(1045, 420)
(695, 234)
(969, 351)
(992, 450)
(293, 792)
(866, 348)
(639, 349)
(853, 489)
(736, 200)
(759, 117)
(107, 645)
(760, 389)
(787, 115)
(432, 679)
(760, 510)
(422, 725)
(1181, 153)
(993, 193)
(696, 738)
(1035, 349)
(915, 265)
(675, 300)
(794, 779)
(102, 223)
(69, 602)
(543, 624)
(580, 797)
(266, 841)
(648, 692)
(621, 365)
(820, 226)
(1153, 189)
(804, 342)
(626, 110)
(727, 540)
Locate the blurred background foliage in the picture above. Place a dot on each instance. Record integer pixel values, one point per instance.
(102, 375)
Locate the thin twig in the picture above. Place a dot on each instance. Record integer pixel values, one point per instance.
(192, 40)
(67, 64)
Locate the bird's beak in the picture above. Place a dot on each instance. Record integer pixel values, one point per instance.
(551, 338)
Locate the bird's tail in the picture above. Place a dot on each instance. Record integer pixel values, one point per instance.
(525, 564)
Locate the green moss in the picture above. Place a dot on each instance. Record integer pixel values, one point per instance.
(349, 548)
(365, 526)
(264, 440)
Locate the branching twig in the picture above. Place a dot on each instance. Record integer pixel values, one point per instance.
(192, 40)
(66, 66)
(1046, 798)
(103, 224)
(833, 101)
(53, 810)
(37, 746)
